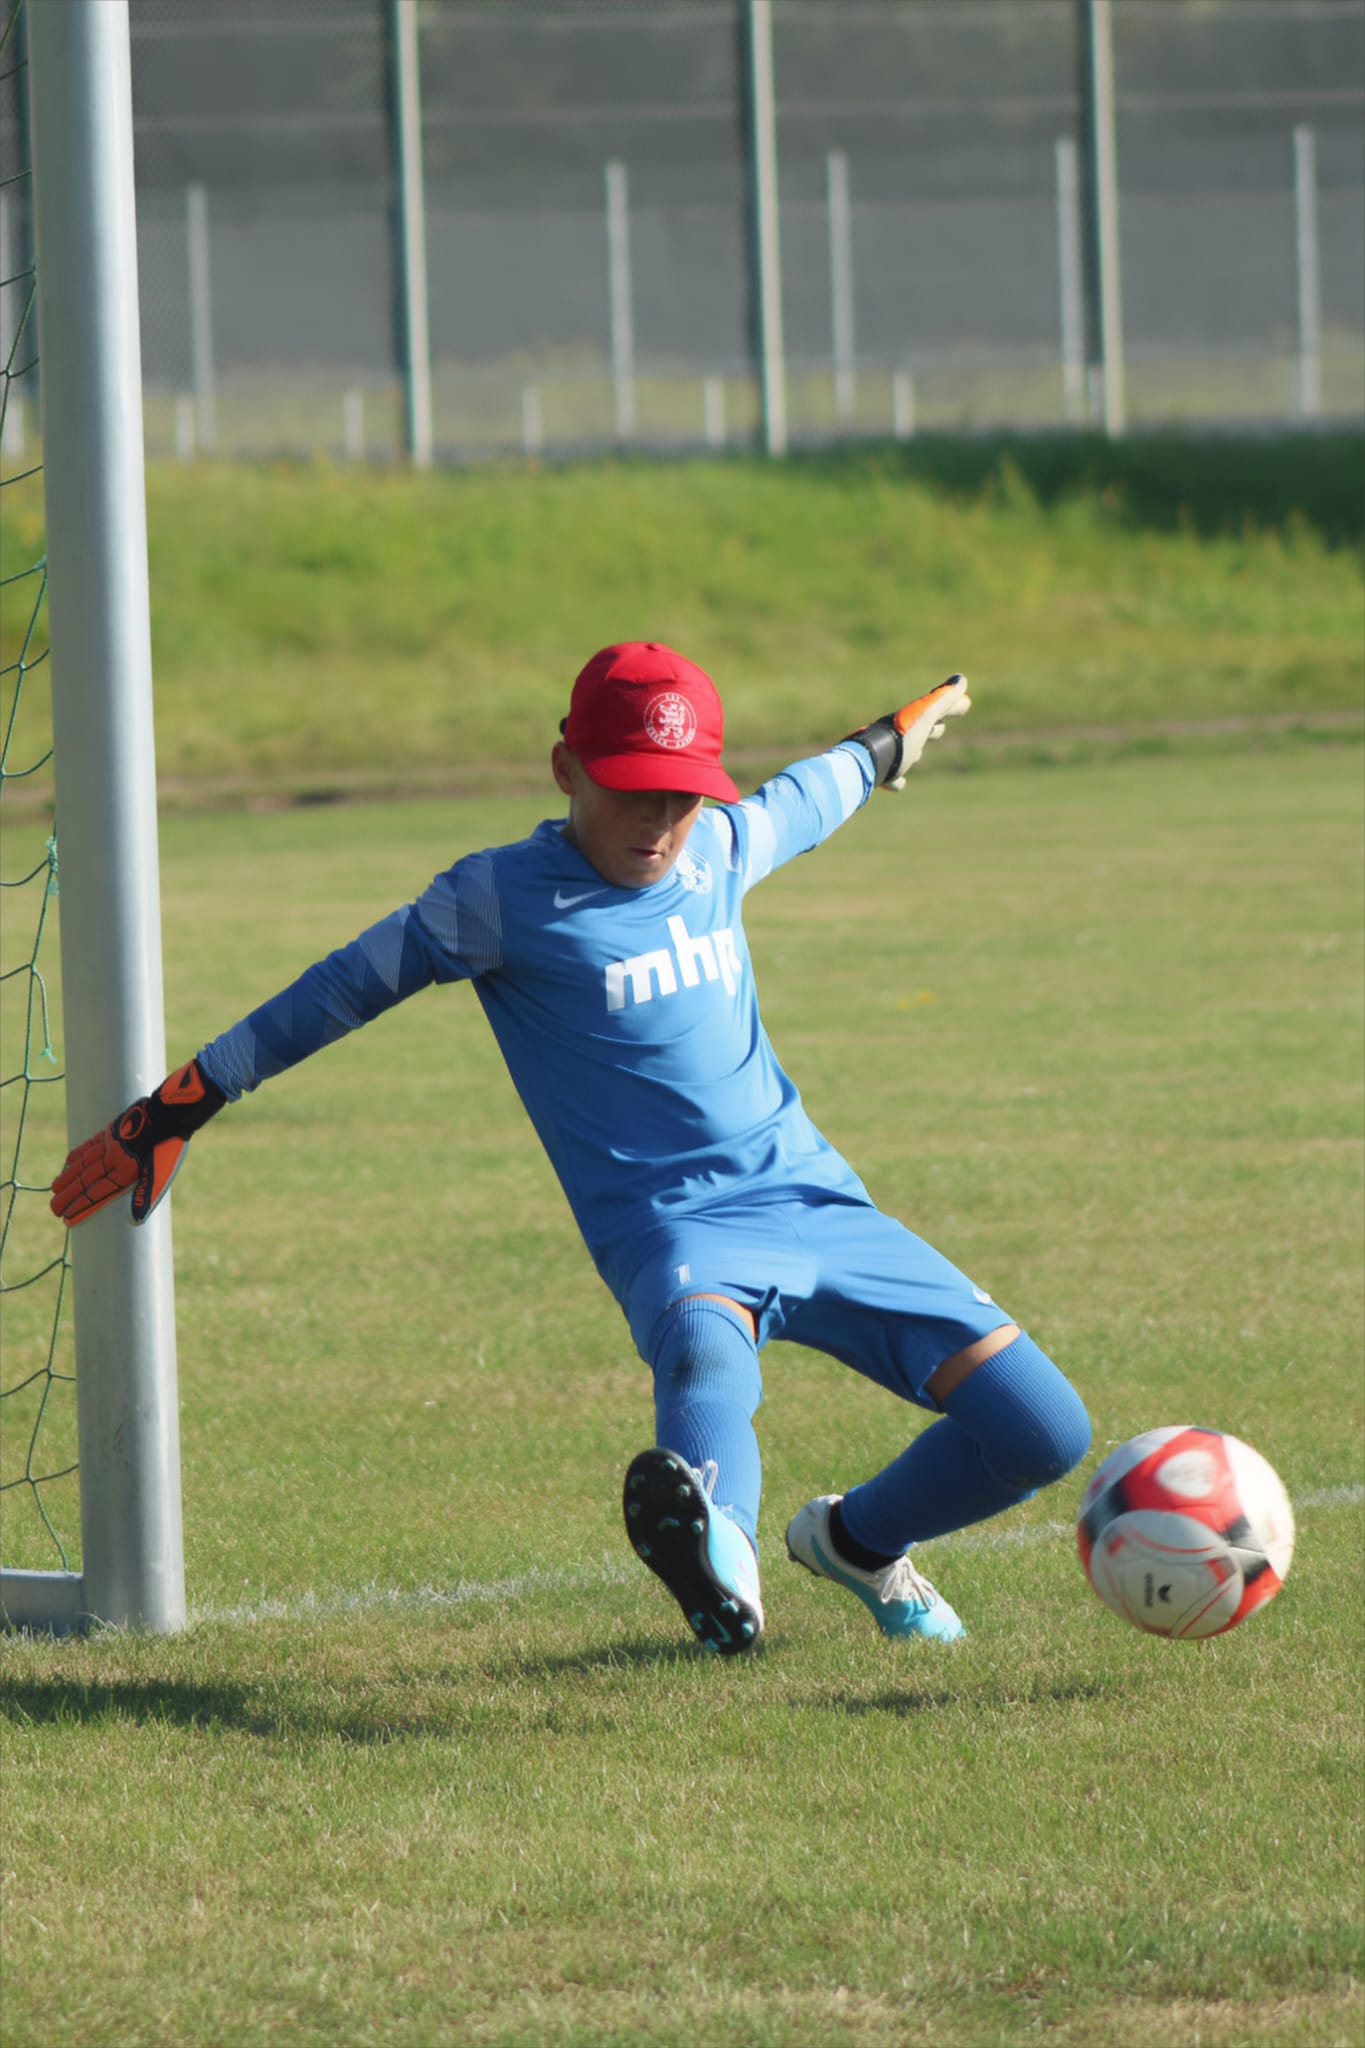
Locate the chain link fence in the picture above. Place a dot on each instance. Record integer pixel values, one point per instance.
(589, 219)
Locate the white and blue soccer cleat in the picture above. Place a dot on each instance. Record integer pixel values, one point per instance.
(901, 1599)
(705, 1559)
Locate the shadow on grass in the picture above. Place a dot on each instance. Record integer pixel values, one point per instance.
(1210, 483)
(638, 1654)
(442, 1701)
(901, 1704)
(267, 1710)
(904, 1701)
(179, 1703)
(445, 1702)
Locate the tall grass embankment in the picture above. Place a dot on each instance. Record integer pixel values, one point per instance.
(324, 629)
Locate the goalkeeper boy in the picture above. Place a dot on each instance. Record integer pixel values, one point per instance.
(609, 955)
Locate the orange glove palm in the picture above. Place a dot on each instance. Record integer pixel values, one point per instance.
(142, 1149)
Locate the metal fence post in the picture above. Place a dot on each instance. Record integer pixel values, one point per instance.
(619, 301)
(841, 283)
(201, 314)
(1309, 383)
(762, 127)
(1097, 96)
(1070, 272)
(80, 82)
(411, 235)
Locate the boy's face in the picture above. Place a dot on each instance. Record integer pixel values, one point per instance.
(631, 836)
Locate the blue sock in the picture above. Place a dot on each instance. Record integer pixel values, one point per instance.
(1013, 1425)
(707, 1387)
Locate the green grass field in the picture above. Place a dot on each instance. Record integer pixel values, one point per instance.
(321, 629)
(435, 1762)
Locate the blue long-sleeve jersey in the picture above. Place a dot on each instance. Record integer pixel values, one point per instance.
(627, 1018)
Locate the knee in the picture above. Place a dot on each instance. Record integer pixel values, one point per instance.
(1028, 1420)
(700, 1350)
(1059, 1437)
(1046, 1443)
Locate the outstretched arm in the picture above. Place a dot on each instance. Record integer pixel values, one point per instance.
(144, 1147)
(800, 807)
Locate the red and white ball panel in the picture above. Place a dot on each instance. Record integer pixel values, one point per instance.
(1167, 1574)
(1185, 1531)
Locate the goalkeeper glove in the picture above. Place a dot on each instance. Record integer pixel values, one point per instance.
(141, 1150)
(897, 741)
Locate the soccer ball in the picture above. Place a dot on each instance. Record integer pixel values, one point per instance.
(1185, 1532)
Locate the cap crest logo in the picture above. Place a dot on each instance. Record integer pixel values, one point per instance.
(670, 721)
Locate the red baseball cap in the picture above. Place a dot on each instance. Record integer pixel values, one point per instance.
(644, 717)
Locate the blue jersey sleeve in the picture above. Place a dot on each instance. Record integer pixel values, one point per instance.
(794, 811)
(450, 933)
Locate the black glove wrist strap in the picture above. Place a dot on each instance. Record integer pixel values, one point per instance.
(181, 1106)
(883, 743)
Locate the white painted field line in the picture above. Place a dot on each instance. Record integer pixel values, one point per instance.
(1330, 1497)
(374, 1599)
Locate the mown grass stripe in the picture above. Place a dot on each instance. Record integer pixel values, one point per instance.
(374, 1599)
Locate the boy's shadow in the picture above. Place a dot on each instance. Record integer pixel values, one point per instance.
(636, 1653)
(281, 1708)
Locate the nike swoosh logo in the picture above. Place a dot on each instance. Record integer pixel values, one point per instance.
(563, 902)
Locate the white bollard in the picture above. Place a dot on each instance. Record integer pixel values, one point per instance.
(903, 405)
(1094, 393)
(353, 425)
(532, 420)
(713, 410)
(184, 428)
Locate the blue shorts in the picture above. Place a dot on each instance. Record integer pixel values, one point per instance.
(835, 1274)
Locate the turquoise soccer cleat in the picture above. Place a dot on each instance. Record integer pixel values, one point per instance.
(901, 1600)
(705, 1559)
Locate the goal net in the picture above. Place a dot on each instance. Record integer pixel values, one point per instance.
(89, 1458)
(39, 1510)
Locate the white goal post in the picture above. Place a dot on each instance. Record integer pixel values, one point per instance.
(81, 124)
